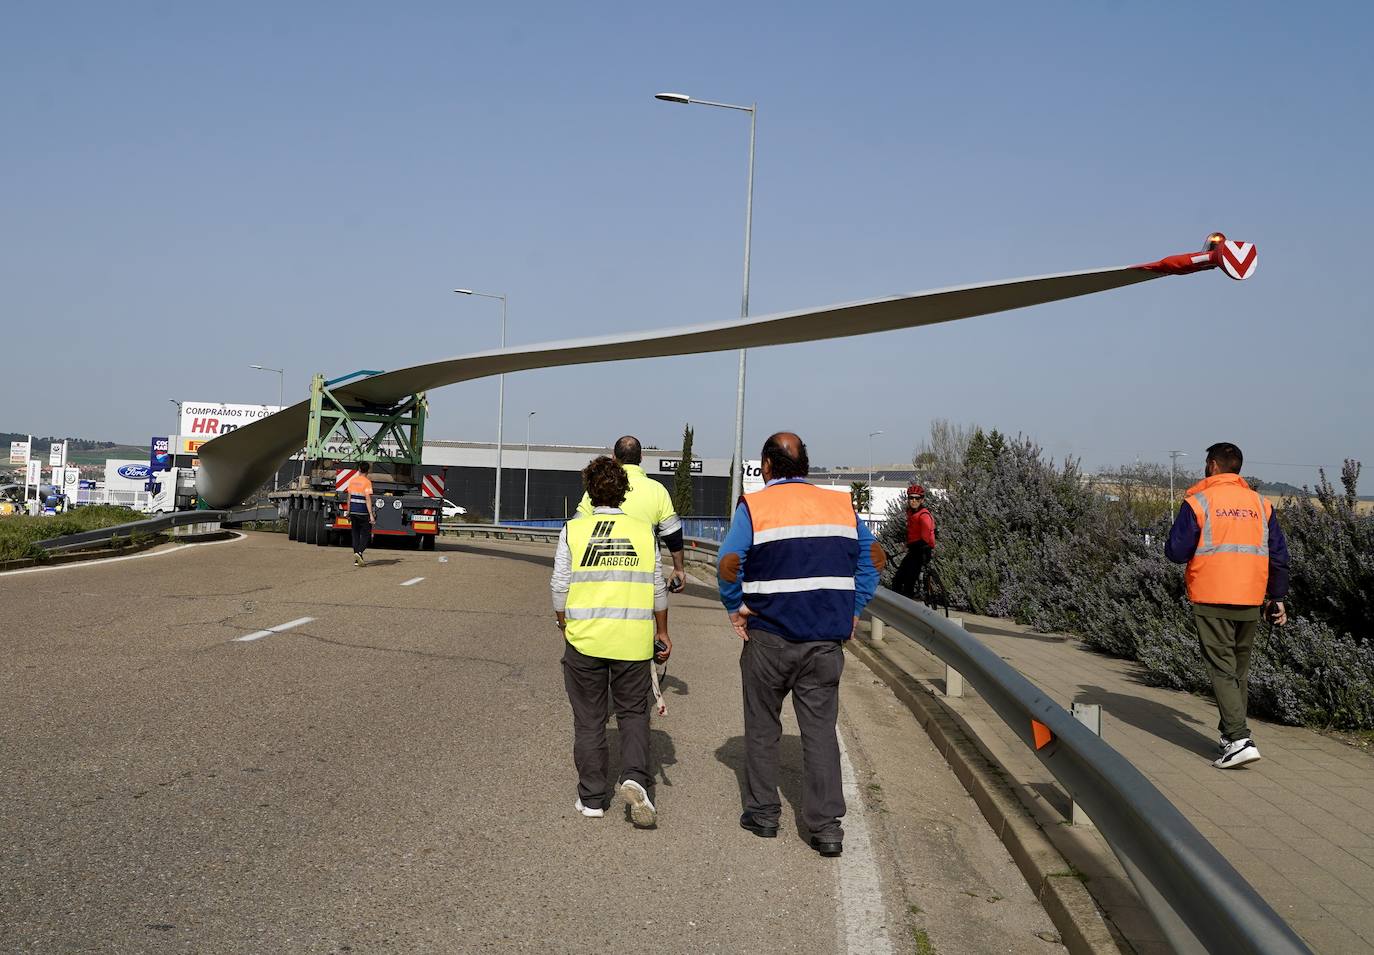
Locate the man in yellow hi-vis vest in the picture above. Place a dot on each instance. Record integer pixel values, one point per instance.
(612, 606)
(649, 501)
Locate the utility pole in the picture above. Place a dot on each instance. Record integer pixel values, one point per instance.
(1173, 461)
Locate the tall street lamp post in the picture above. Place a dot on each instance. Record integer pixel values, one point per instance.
(500, 400)
(871, 436)
(177, 429)
(281, 390)
(528, 418)
(1173, 460)
(736, 481)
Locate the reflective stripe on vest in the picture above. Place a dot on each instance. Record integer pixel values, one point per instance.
(359, 488)
(798, 576)
(610, 608)
(1231, 563)
(1206, 546)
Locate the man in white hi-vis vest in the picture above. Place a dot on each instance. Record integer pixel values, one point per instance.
(612, 605)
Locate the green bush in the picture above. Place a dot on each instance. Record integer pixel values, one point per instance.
(1020, 537)
(19, 535)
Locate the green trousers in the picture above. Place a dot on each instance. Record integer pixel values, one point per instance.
(1226, 646)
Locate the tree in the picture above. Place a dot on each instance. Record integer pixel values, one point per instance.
(939, 458)
(682, 480)
(977, 454)
(861, 494)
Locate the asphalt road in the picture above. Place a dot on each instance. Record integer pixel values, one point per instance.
(395, 774)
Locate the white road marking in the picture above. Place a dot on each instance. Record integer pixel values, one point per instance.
(862, 913)
(102, 561)
(412, 581)
(258, 635)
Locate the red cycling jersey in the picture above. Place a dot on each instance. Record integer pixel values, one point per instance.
(920, 526)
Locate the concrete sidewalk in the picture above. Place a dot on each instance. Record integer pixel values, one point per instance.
(1299, 824)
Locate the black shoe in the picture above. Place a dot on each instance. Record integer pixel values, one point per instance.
(827, 846)
(766, 830)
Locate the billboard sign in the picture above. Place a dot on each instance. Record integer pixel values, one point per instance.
(669, 465)
(209, 419)
(752, 477)
(35, 473)
(19, 452)
(71, 482)
(123, 475)
(57, 454)
(158, 457)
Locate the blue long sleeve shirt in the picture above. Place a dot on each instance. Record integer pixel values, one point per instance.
(740, 538)
(1183, 541)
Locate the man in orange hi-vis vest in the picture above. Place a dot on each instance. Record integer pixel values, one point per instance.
(1237, 561)
(361, 516)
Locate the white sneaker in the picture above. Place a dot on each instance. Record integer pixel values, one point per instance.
(588, 812)
(642, 811)
(1236, 754)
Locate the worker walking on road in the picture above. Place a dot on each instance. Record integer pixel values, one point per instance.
(649, 501)
(361, 516)
(612, 606)
(1237, 559)
(796, 569)
(920, 543)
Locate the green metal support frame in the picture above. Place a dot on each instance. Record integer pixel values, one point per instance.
(333, 421)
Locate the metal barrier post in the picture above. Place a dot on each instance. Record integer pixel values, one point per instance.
(1090, 715)
(954, 680)
(876, 632)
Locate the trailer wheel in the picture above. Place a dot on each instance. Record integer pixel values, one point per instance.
(311, 531)
(427, 542)
(293, 520)
(323, 534)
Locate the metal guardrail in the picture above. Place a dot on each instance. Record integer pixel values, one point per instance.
(154, 525)
(1199, 900)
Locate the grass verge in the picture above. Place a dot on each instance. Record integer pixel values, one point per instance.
(19, 535)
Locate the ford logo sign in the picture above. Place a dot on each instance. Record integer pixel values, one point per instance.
(135, 472)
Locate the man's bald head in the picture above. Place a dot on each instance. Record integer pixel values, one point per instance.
(785, 454)
(628, 451)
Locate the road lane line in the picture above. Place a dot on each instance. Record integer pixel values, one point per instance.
(412, 581)
(258, 635)
(861, 895)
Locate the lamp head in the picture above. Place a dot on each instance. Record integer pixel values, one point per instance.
(673, 97)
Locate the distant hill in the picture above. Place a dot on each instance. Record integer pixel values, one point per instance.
(79, 450)
(1278, 488)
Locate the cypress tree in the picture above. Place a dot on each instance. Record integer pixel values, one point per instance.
(682, 481)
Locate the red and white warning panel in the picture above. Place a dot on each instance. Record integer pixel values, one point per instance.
(342, 477)
(432, 485)
(1236, 259)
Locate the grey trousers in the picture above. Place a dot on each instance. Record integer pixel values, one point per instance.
(770, 668)
(588, 680)
(1226, 646)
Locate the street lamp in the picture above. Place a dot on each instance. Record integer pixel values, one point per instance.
(1173, 460)
(177, 429)
(871, 436)
(736, 482)
(500, 399)
(281, 390)
(528, 418)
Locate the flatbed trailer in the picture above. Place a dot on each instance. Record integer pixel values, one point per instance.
(342, 435)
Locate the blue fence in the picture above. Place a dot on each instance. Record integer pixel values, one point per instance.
(707, 528)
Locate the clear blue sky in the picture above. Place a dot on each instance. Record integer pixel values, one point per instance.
(187, 190)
